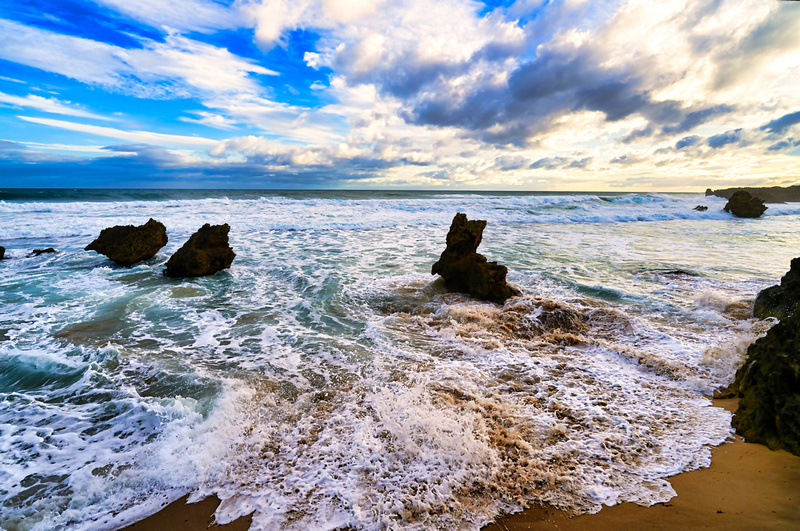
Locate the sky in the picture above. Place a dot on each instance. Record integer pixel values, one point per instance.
(533, 95)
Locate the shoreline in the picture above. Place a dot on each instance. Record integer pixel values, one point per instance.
(747, 486)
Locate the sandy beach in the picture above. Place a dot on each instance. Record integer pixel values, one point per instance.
(748, 486)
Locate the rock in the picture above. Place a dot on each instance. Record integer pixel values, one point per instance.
(38, 252)
(780, 300)
(700, 208)
(770, 194)
(2, 253)
(769, 387)
(743, 205)
(466, 271)
(205, 253)
(128, 244)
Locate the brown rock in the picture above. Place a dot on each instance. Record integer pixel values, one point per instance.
(206, 252)
(769, 387)
(128, 244)
(466, 271)
(780, 300)
(743, 205)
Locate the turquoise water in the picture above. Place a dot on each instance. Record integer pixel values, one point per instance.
(327, 380)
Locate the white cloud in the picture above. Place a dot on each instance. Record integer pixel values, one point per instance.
(179, 15)
(50, 105)
(179, 66)
(144, 137)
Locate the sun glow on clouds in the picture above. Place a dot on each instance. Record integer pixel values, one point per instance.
(553, 95)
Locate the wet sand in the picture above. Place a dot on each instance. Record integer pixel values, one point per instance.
(748, 486)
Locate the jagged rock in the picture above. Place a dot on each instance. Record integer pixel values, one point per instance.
(466, 271)
(38, 252)
(700, 208)
(2, 253)
(743, 205)
(709, 192)
(128, 244)
(780, 300)
(769, 387)
(206, 252)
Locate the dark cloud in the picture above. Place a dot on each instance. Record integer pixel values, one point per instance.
(511, 162)
(6, 145)
(549, 163)
(554, 163)
(723, 139)
(625, 160)
(780, 125)
(695, 118)
(147, 166)
(688, 141)
(784, 144)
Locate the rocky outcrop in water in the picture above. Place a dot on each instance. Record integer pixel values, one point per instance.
(2, 253)
(466, 271)
(770, 194)
(780, 300)
(769, 387)
(39, 252)
(206, 252)
(700, 208)
(128, 244)
(743, 205)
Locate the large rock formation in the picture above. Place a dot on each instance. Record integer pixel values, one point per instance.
(466, 271)
(206, 252)
(780, 300)
(769, 387)
(128, 244)
(770, 194)
(743, 205)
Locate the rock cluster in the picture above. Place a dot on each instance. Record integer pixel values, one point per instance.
(780, 300)
(742, 205)
(769, 387)
(466, 271)
(128, 244)
(206, 252)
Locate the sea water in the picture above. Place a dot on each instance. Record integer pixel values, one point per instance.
(328, 380)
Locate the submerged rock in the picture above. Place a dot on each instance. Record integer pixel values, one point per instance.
(769, 387)
(39, 252)
(128, 244)
(466, 271)
(743, 205)
(206, 252)
(780, 300)
(700, 208)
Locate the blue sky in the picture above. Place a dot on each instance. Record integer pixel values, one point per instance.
(527, 94)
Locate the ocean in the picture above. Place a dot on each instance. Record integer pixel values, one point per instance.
(328, 380)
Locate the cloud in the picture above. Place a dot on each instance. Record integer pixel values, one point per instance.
(49, 105)
(177, 67)
(780, 125)
(687, 141)
(723, 139)
(180, 15)
(130, 136)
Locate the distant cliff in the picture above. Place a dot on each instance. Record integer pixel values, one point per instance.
(769, 194)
